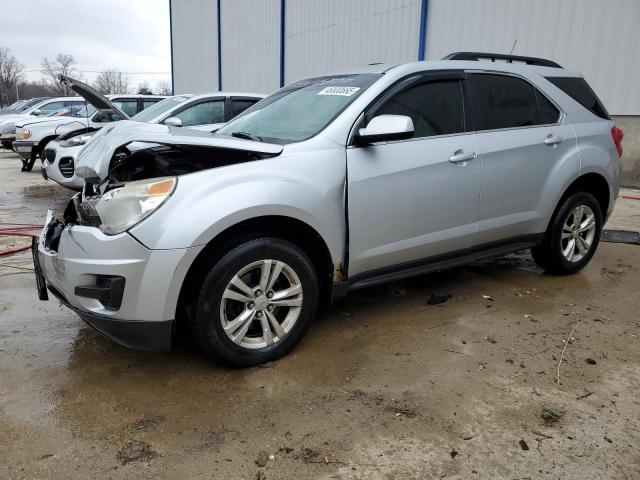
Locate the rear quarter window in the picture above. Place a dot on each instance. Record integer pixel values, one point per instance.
(578, 89)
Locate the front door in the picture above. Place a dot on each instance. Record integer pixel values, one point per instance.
(413, 199)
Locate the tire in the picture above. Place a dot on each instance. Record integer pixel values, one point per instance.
(219, 303)
(556, 255)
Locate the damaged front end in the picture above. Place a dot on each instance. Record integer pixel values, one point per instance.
(126, 182)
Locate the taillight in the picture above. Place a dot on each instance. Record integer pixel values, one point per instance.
(617, 134)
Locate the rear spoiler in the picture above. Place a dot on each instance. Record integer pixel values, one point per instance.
(541, 62)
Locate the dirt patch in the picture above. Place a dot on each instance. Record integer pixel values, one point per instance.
(136, 452)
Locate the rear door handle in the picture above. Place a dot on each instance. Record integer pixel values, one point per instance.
(553, 139)
(460, 156)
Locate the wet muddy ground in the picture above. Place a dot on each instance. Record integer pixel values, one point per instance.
(383, 386)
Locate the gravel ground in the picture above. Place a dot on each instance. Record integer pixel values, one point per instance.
(383, 386)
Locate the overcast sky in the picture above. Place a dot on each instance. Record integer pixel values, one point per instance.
(126, 35)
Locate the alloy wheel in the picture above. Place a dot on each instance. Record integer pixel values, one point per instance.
(261, 304)
(578, 233)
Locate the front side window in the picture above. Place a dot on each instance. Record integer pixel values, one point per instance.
(51, 107)
(436, 107)
(503, 101)
(202, 113)
(300, 110)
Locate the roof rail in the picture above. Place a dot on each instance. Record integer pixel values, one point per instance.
(541, 62)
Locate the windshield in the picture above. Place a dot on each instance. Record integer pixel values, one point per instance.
(300, 110)
(159, 108)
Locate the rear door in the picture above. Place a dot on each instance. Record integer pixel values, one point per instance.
(523, 135)
(413, 199)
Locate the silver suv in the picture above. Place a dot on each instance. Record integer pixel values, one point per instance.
(329, 185)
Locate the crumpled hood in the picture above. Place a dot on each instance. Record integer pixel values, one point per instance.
(94, 159)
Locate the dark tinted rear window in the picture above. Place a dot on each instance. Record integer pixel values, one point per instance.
(581, 92)
(549, 114)
(503, 101)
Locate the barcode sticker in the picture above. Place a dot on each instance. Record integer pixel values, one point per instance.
(342, 91)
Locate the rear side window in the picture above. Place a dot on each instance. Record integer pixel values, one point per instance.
(549, 114)
(436, 108)
(240, 105)
(130, 107)
(504, 102)
(581, 92)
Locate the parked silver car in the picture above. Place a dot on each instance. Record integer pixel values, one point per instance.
(328, 185)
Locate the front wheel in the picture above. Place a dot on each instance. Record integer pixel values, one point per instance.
(572, 237)
(255, 303)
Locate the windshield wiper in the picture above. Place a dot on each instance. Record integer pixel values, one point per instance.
(247, 136)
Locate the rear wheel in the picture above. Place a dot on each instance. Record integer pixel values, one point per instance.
(573, 236)
(255, 303)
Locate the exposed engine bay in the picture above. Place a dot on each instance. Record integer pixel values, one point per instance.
(141, 161)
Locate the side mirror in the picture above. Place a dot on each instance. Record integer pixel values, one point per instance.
(173, 122)
(37, 112)
(384, 128)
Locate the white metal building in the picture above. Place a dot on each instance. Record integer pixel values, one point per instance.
(260, 45)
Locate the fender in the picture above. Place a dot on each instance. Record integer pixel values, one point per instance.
(207, 203)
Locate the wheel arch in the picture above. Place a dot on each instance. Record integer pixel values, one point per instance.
(287, 228)
(593, 183)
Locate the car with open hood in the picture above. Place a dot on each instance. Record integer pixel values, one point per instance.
(205, 112)
(94, 111)
(330, 184)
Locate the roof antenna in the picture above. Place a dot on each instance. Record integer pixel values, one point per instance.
(514, 47)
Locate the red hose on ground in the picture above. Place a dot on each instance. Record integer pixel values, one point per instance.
(629, 197)
(18, 231)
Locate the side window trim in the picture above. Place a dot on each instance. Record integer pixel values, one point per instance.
(537, 91)
(411, 80)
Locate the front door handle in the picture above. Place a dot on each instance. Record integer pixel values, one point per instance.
(553, 139)
(459, 156)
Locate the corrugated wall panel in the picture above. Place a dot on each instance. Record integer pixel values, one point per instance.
(331, 35)
(194, 45)
(250, 45)
(599, 38)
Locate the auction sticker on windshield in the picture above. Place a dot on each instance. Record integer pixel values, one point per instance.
(342, 91)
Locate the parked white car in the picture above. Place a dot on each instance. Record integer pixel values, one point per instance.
(206, 112)
(33, 134)
(42, 108)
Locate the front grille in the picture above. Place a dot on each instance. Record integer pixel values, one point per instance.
(66, 167)
(50, 155)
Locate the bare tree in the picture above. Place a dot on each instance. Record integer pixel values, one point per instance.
(164, 87)
(144, 89)
(111, 81)
(62, 65)
(11, 72)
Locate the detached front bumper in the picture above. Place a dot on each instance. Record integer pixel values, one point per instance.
(23, 148)
(118, 286)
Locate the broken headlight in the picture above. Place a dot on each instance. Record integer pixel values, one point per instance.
(121, 208)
